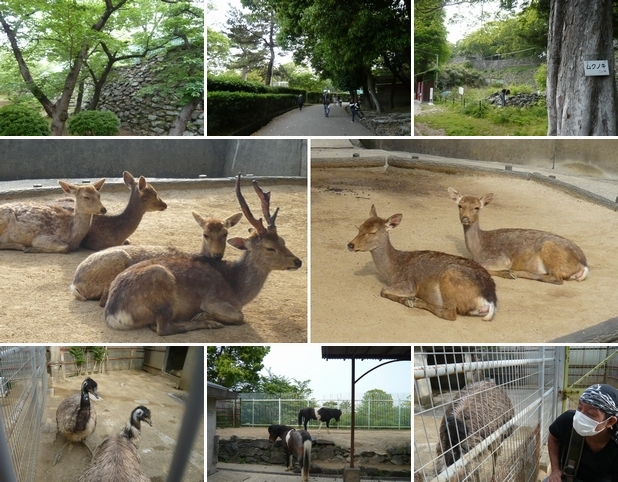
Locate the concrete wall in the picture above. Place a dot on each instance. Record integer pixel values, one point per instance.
(588, 156)
(158, 157)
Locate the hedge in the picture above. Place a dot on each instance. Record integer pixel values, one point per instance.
(228, 112)
(232, 84)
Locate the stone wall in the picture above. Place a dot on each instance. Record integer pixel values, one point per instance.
(145, 115)
(261, 451)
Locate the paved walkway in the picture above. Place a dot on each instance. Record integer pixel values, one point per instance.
(311, 122)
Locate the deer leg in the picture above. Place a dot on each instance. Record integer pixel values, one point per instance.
(223, 312)
(504, 273)
(13, 246)
(545, 278)
(164, 328)
(394, 293)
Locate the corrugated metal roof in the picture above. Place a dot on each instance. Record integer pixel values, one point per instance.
(367, 352)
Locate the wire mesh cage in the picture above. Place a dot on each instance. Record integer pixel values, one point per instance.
(23, 388)
(481, 412)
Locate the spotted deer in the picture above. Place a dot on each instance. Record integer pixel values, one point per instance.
(114, 230)
(43, 228)
(181, 293)
(441, 283)
(94, 275)
(518, 253)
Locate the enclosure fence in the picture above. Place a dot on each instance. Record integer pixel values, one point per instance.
(23, 388)
(255, 409)
(483, 413)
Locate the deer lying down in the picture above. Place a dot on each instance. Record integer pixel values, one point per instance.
(113, 230)
(441, 283)
(94, 275)
(518, 253)
(181, 293)
(43, 228)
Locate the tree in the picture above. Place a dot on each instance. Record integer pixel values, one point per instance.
(246, 35)
(263, 13)
(283, 386)
(376, 409)
(235, 367)
(71, 35)
(218, 48)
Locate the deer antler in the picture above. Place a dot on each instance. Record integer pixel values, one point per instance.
(256, 223)
(265, 200)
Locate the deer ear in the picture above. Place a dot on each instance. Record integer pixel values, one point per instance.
(233, 220)
(199, 219)
(141, 183)
(393, 221)
(372, 212)
(128, 179)
(67, 187)
(99, 184)
(487, 198)
(238, 243)
(454, 195)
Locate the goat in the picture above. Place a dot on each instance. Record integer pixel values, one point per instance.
(295, 443)
(476, 412)
(95, 274)
(323, 415)
(116, 459)
(185, 292)
(76, 419)
(441, 283)
(113, 230)
(43, 228)
(518, 253)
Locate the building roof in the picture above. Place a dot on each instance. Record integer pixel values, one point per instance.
(219, 391)
(367, 352)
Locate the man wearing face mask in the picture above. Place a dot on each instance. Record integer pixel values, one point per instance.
(595, 421)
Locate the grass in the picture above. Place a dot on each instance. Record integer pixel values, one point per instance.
(478, 118)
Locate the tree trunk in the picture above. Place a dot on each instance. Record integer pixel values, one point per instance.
(578, 105)
(271, 60)
(180, 125)
(371, 89)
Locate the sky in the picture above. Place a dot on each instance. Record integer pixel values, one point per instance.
(331, 379)
(468, 18)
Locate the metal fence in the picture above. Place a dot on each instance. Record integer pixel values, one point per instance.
(23, 388)
(257, 409)
(502, 448)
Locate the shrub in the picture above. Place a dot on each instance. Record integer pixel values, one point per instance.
(94, 123)
(16, 120)
(540, 77)
(458, 75)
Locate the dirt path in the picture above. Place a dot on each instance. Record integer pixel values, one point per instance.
(346, 304)
(36, 305)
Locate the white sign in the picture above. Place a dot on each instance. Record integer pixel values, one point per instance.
(596, 67)
(461, 91)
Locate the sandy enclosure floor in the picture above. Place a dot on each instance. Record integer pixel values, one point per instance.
(37, 306)
(120, 392)
(345, 297)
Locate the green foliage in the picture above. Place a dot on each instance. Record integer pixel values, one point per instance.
(429, 35)
(94, 123)
(283, 386)
(79, 356)
(235, 367)
(233, 83)
(540, 77)
(17, 120)
(459, 75)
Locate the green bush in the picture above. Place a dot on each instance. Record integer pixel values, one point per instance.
(540, 77)
(16, 120)
(458, 75)
(94, 123)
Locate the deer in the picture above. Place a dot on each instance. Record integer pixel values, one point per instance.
(180, 293)
(114, 230)
(441, 283)
(42, 228)
(95, 274)
(518, 253)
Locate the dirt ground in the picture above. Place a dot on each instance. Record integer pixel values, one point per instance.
(120, 392)
(345, 296)
(36, 305)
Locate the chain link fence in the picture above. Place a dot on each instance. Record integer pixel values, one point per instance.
(510, 398)
(389, 411)
(23, 388)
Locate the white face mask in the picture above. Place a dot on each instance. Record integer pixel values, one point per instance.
(584, 425)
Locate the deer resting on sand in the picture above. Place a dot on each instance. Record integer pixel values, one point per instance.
(43, 228)
(95, 274)
(518, 253)
(441, 283)
(176, 294)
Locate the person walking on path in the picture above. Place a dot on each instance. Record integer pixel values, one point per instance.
(300, 100)
(326, 102)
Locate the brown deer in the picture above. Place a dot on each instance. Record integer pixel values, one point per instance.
(94, 275)
(441, 283)
(113, 230)
(44, 228)
(180, 293)
(518, 253)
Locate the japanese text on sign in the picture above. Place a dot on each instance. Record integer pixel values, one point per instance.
(596, 67)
